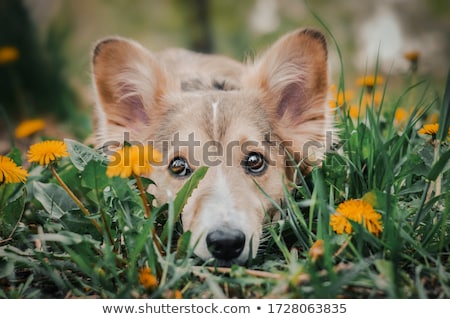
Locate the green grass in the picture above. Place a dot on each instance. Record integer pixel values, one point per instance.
(49, 248)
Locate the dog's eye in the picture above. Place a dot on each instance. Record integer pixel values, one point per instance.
(179, 167)
(254, 163)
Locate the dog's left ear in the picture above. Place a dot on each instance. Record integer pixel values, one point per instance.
(292, 76)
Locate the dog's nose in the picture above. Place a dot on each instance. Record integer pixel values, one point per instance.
(225, 244)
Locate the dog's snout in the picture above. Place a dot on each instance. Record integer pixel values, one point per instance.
(225, 244)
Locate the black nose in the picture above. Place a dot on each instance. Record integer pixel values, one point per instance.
(225, 244)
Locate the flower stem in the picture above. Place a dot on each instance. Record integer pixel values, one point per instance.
(147, 211)
(436, 184)
(75, 199)
(108, 231)
(147, 208)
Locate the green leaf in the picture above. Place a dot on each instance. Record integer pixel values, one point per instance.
(387, 278)
(186, 191)
(66, 237)
(183, 245)
(182, 197)
(439, 166)
(94, 176)
(362, 141)
(53, 198)
(81, 155)
(14, 154)
(11, 214)
(445, 113)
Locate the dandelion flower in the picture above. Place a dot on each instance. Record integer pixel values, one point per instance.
(46, 152)
(147, 279)
(355, 111)
(29, 127)
(371, 99)
(430, 129)
(8, 54)
(359, 211)
(136, 159)
(341, 97)
(370, 80)
(412, 56)
(10, 172)
(400, 115)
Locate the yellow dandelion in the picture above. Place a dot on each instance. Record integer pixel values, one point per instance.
(412, 56)
(10, 172)
(29, 127)
(341, 97)
(430, 129)
(8, 54)
(46, 152)
(355, 111)
(400, 115)
(316, 251)
(136, 159)
(370, 81)
(147, 279)
(178, 294)
(359, 211)
(371, 98)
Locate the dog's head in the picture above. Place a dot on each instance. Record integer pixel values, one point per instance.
(240, 120)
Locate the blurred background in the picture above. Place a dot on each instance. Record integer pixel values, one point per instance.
(45, 45)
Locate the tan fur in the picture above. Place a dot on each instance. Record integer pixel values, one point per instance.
(230, 107)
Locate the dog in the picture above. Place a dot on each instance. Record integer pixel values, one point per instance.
(251, 123)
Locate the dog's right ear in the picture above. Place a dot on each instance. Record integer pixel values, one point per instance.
(292, 77)
(129, 83)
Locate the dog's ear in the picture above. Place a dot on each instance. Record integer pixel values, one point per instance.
(129, 83)
(292, 76)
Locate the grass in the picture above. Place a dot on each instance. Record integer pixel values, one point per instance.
(50, 248)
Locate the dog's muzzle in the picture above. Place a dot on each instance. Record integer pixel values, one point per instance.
(225, 244)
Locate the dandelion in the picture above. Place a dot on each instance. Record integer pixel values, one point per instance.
(370, 80)
(413, 58)
(10, 172)
(400, 115)
(29, 127)
(47, 152)
(356, 210)
(133, 160)
(432, 130)
(373, 98)
(316, 251)
(147, 279)
(8, 54)
(354, 111)
(340, 98)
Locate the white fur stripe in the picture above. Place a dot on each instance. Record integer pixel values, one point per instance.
(214, 107)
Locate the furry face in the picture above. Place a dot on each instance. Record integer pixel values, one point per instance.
(240, 120)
